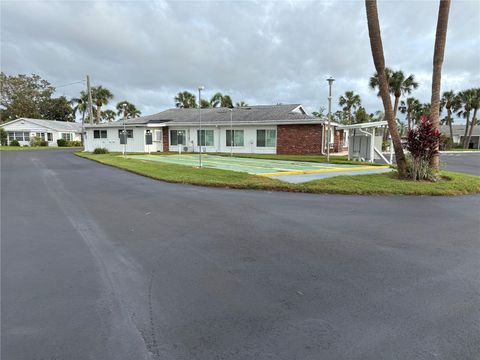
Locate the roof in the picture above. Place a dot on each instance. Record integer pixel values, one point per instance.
(51, 124)
(364, 125)
(260, 114)
(458, 130)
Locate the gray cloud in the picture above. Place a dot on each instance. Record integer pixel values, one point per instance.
(260, 52)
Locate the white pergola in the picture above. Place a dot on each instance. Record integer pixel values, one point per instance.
(368, 129)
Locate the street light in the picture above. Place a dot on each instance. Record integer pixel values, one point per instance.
(200, 89)
(330, 82)
(124, 130)
(231, 132)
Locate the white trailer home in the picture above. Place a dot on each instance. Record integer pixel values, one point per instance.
(25, 129)
(267, 129)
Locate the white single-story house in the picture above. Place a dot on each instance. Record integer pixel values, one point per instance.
(267, 129)
(459, 133)
(25, 129)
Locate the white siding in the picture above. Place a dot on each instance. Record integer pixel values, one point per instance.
(112, 142)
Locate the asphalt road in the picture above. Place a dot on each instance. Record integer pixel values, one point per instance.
(98, 263)
(467, 162)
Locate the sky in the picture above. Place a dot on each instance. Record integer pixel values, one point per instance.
(256, 51)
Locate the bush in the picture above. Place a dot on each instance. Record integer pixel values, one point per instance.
(43, 143)
(421, 142)
(62, 143)
(446, 142)
(14, 143)
(74, 143)
(3, 137)
(100, 151)
(35, 141)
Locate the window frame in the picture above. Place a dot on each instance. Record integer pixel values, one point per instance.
(266, 138)
(184, 134)
(228, 138)
(129, 133)
(204, 142)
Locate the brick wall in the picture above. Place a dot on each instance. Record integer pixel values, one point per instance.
(165, 139)
(299, 139)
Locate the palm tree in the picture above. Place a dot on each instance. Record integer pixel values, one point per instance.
(204, 104)
(108, 115)
(80, 104)
(185, 100)
(398, 85)
(226, 101)
(438, 54)
(216, 100)
(466, 99)
(450, 102)
(475, 106)
(127, 110)
(379, 61)
(349, 101)
(409, 107)
(100, 96)
(320, 112)
(241, 104)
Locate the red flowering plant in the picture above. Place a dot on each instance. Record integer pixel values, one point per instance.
(422, 143)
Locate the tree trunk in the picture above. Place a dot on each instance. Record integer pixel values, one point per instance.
(450, 124)
(99, 113)
(438, 55)
(472, 125)
(379, 61)
(467, 123)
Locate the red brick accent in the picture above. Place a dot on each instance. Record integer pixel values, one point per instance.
(299, 139)
(166, 142)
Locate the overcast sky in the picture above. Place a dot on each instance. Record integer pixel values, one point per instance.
(259, 52)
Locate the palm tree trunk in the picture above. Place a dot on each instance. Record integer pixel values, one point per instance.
(99, 113)
(450, 124)
(438, 55)
(467, 123)
(379, 61)
(472, 125)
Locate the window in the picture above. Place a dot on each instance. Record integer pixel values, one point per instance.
(11, 136)
(97, 134)
(237, 138)
(50, 136)
(19, 136)
(266, 138)
(64, 136)
(205, 137)
(129, 133)
(158, 135)
(177, 137)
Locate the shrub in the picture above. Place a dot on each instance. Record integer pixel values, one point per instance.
(74, 143)
(35, 141)
(421, 142)
(43, 143)
(100, 151)
(446, 142)
(3, 137)
(14, 143)
(62, 143)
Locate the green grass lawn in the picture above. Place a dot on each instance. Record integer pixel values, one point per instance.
(23, 148)
(378, 184)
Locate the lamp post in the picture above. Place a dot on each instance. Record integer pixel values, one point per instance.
(200, 89)
(124, 130)
(231, 132)
(330, 82)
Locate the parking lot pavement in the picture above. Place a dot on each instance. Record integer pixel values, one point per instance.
(99, 263)
(467, 162)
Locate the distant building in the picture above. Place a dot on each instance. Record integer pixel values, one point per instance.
(459, 132)
(25, 129)
(265, 129)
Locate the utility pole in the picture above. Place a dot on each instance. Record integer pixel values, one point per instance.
(90, 108)
(330, 82)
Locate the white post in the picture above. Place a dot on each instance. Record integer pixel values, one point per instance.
(199, 136)
(231, 133)
(330, 82)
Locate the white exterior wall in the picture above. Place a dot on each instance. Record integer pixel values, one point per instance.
(34, 129)
(220, 136)
(112, 142)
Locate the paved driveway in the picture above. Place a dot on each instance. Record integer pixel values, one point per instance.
(468, 162)
(98, 263)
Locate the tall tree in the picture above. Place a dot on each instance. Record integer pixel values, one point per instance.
(241, 104)
(320, 113)
(108, 115)
(379, 61)
(80, 104)
(466, 99)
(475, 106)
(216, 100)
(362, 116)
(450, 102)
(56, 109)
(205, 104)
(350, 101)
(127, 110)
(438, 55)
(226, 101)
(23, 95)
(410, 107)
(100, 96)
(185, 100)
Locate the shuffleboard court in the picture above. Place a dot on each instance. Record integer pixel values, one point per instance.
(280, 169)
